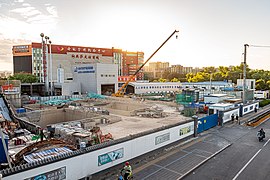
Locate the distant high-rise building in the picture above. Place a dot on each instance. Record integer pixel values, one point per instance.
(177, 69)
(158, 68)
(188, 70)
(131, 62)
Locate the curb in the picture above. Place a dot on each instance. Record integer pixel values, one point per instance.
(201, 163)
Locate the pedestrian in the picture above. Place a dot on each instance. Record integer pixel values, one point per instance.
(127, 170)
(232, 117)
(236, 117)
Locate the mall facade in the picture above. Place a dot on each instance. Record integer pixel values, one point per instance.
(55, 65)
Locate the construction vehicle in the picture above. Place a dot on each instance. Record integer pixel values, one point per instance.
(122, 90)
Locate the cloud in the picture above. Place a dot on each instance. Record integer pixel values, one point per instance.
(26, 5)
(26, 11)
(21, 24)
(52, 10)
(33, 15)
(19, 1)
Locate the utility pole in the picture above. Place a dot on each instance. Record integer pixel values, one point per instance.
(244, 73)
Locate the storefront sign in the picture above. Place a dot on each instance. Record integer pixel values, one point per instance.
(110, 156)
(85, 69)
(21, 49)
(57, 174)
(85, 56)
(162, 138)
(84, 49)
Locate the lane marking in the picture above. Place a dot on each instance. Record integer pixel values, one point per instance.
(266, 143)
(246, 164)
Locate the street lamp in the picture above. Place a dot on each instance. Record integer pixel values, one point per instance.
(244, 73)
(42, 48)
(210, 82)
(51, 86)
(45, 60)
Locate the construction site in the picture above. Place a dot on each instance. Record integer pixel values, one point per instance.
(84, 122)
(58, 133)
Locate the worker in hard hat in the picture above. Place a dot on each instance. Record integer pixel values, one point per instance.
(127, 171)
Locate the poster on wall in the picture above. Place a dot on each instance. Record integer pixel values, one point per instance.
(185, 130)
(57, 174)
(162, 138)
(110, 156)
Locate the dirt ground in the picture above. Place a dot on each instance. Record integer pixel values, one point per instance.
(134, 124)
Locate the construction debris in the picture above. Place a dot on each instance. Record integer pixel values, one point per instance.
(152, 112)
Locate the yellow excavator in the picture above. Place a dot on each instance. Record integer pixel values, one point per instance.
(122, 90)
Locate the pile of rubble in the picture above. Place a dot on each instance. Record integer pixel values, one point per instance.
(152, 112)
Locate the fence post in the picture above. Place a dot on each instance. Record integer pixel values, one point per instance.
(195, 118)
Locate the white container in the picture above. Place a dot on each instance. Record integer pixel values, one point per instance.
(82, 145)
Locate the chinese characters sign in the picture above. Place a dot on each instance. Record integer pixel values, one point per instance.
(85, 69)
(110, 156)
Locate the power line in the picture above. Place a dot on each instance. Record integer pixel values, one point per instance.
(263, 46)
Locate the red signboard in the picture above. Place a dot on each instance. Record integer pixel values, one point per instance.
(63, 49)
(125, 78)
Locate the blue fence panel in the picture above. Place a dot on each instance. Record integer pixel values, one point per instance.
(200, 126)
(207, 122)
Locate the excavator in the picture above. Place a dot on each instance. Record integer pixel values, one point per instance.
(122, 90)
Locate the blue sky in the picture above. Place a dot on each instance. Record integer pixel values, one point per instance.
(212, 32)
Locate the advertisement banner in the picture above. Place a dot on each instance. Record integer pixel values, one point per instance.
(57, 174)
(110, 156)
(162, 138)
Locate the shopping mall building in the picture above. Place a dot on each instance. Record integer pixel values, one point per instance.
(75, 69)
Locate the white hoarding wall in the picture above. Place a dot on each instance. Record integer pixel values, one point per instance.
(227, 116)
(250, 108)
(91, 160)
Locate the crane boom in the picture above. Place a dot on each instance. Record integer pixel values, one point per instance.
(122, 90)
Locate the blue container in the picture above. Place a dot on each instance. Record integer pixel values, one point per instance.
(21, 110)
(3, 158)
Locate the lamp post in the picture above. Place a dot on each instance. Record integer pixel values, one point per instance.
(210, 82)
(244, 73)
(51, 85)
(42, 48)
(46, 77)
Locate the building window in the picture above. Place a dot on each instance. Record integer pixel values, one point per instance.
(101, 75)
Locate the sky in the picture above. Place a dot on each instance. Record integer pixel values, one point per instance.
(211, 32)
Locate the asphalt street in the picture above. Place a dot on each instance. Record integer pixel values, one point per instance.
(239, 160)
(229, 152)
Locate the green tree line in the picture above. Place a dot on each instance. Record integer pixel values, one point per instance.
(222, 73)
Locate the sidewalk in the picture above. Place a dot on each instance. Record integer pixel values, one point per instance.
(183, 160)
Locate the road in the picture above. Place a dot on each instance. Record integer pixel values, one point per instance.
(245, 159)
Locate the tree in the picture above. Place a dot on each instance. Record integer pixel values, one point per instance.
(24, 77)
(162, 80)
(210, 69)
(261, 85)
(175, 80)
